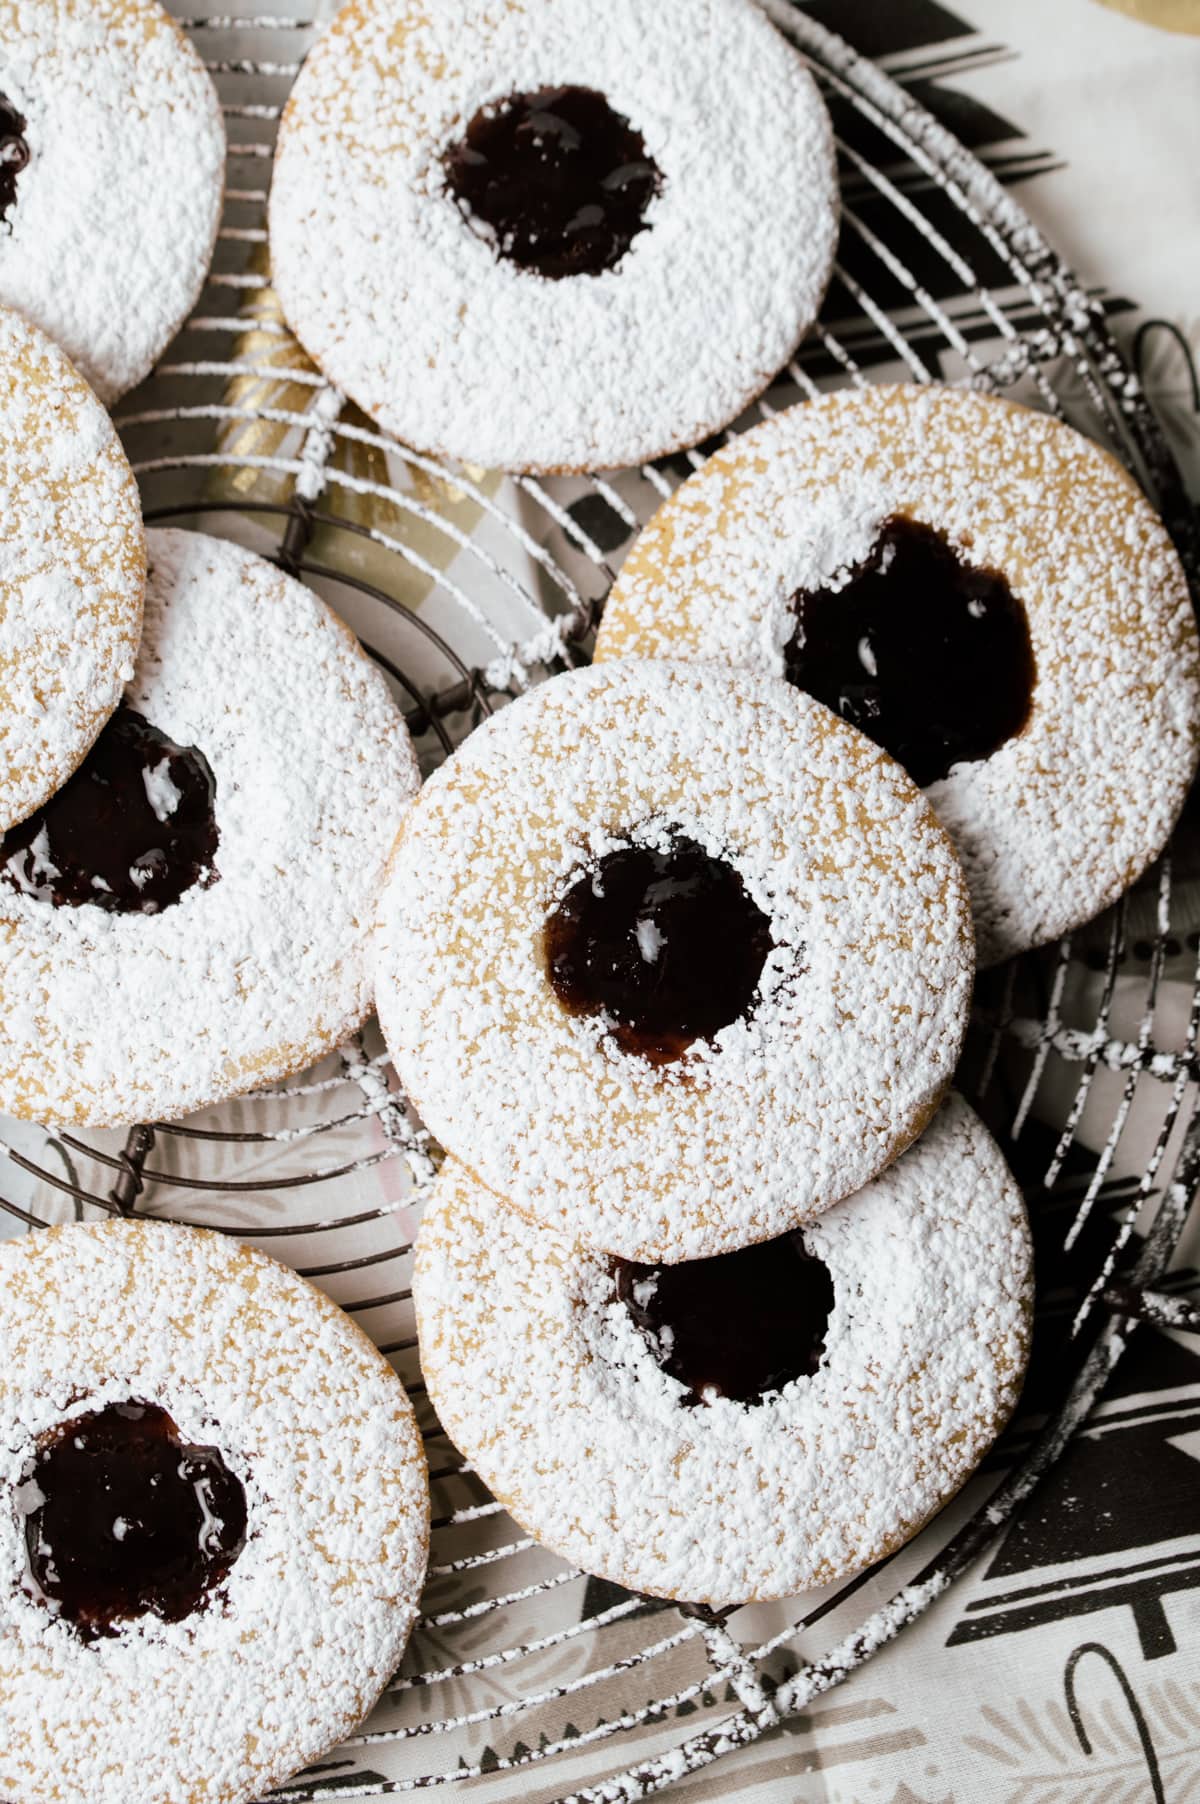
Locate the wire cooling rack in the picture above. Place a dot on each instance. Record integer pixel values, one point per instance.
(523, 1675)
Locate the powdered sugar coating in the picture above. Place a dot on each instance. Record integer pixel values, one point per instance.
(293, 1649)
(72, 569)
(1060, 820)
(862, 1001)
(543, 1381)
(114, 1018)
(459, 352)
(112, 231)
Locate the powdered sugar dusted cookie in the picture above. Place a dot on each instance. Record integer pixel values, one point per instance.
(215, 1518)
(537, 237)
(190, 916)
(111, 179)
(980, 588)
(73, 570)
(742, 1427)
(673, 958)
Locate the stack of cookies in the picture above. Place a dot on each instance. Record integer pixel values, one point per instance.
(676, 959)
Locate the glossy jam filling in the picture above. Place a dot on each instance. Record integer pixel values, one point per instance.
(557, 179)
(925, 653)
(664, 941)
(124, 1520)
(130, 832)
(14, 153)
(740, 1325)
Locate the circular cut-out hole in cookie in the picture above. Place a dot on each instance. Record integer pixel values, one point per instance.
(663, 939)
(130, 832)
(124, 1519)
(741, 1325)
(557, 180)
(922, 650)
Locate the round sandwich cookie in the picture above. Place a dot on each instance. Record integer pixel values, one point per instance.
(214, 1518)
(985, 592)
(73, 572)
(673, 958)
(747, 1426)
(112, 171)
(190, 916)
(531, 237)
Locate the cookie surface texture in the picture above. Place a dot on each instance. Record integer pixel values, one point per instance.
(258, 1370)
(1062, 817)
(286, 752)
(73, 573)
(111, 194)
(831, 1067)
(413, 303)
(541, 1377)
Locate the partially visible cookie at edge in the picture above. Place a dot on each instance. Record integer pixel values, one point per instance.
(191, 916)
(73, 572)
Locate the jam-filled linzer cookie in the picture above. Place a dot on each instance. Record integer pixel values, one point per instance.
(542, 237)
(741, 1427)
(214, 1518)
(112, 160)
(673, 958)
(73, 571)
(189, 917)
(981, 589)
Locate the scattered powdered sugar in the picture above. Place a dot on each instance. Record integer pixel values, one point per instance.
(162, 794)
(550, 1391)
(72, 568)
(114, 1018)
(289, 1653)
(109, 239)
(862, 999)
(1060, 820)
(459, 352)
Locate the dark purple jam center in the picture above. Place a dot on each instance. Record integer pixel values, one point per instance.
(927, 655)
(129, 832)
(738, 1326)
(127, 1521)
(559, 180)
(14, 153)
(665, 942)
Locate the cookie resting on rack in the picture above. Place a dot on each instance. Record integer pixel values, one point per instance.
(980, 588)
(73, 572)
(742, 1427)
(190, 916)
(672, 957)
(112, 172)
(541, 237)
(215, 1518)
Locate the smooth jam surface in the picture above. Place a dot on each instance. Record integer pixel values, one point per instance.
(665, 942)
(14, 153)
(925, 653)
(738, 1326)
(560, 180)
(130, 832)
(127, 1521)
